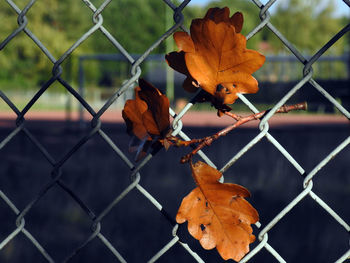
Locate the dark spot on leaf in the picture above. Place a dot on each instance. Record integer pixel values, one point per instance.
(202, 227)
(234, 198)
(219, 88)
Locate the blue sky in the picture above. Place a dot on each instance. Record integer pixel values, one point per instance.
(341, 7)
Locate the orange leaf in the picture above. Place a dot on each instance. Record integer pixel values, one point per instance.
(216, 57)
(156, 117)
(217, 214)
(176, 60)
(146, 116)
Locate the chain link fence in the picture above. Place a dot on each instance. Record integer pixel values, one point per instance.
(97, 219)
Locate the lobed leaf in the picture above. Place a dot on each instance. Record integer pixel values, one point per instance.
(217, 214)
(214, 56)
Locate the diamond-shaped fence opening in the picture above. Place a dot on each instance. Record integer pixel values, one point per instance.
(122, 211)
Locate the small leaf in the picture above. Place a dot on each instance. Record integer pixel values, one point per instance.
(146, 117)
(217, 214)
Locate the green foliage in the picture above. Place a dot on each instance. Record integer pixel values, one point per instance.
(137, 24)
(306, 24)
(22, 59)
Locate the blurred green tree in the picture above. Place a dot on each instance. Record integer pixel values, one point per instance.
(22, 62)
(136, 24)
(306, 24)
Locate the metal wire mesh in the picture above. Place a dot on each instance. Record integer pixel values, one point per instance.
(136, 170)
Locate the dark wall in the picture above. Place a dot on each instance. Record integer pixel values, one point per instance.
(136, 228)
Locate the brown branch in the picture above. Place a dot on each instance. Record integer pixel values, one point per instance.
(233, 115)
(206, 141)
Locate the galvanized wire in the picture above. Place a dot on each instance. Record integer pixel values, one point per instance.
(136, 171)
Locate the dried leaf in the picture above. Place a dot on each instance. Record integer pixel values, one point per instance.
(176, 60)
(214, 56)
(146, 117)
(217, 213)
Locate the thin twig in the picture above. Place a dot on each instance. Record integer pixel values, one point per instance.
(206, 141)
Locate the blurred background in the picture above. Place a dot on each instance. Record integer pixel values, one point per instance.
(96, 70)
(99, 70)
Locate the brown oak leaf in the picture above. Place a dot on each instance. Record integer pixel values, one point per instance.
(217, 213)
(214, 56)
(146, 117)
